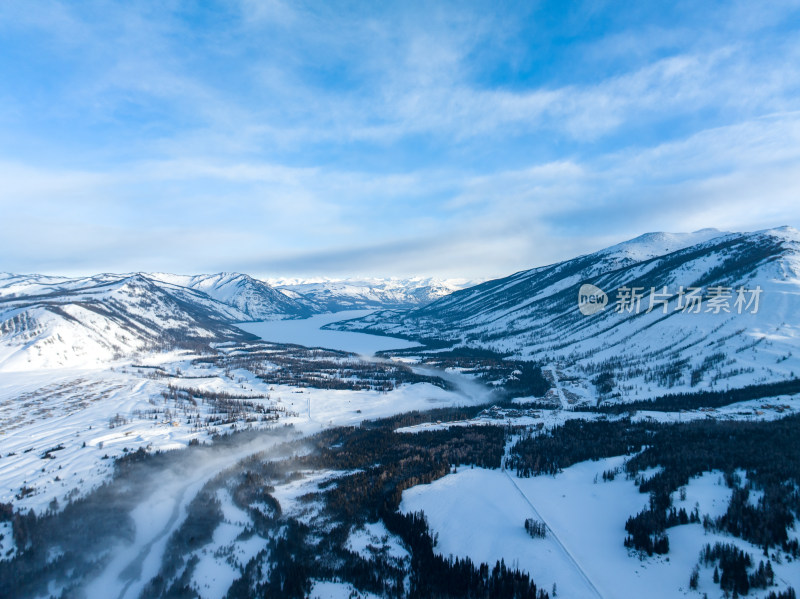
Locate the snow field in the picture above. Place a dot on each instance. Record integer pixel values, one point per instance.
(480, 513)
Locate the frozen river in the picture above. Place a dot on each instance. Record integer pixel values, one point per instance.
(307, 332)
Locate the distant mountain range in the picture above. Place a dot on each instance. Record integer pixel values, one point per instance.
(534, 314)
(335, 295)
(48, 321)
(702, 331)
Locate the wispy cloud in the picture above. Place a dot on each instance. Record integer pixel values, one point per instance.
(287, 138)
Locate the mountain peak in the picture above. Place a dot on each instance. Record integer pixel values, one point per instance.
(650, 245)
(536, 313)
(785, 232)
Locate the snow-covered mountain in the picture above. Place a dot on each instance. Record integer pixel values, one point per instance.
(334, 295)
(535, 313)
(89, 321)
(255, 299)
(651, 245)
(48, 321)
(92, 321)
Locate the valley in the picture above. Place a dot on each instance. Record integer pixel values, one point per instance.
(202, 437)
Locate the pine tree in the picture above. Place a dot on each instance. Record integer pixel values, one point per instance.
(694, 578)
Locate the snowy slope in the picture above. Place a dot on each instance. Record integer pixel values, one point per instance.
(49, 322)
(16, 285)
(534, 314)
(256, 299)
(335, 295)
(582, 553)
(651, 245)
(93, 322)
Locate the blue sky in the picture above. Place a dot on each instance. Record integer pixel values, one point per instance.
(387, 138)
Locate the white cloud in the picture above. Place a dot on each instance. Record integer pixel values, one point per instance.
(293, 132)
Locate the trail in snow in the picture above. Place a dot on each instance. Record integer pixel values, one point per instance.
(571, 558)
(163, 508)
(136, 565)
(133, 571)
(557, 387)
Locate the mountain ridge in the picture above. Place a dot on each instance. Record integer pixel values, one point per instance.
(534, 314)
(52, 321)
(335, 295)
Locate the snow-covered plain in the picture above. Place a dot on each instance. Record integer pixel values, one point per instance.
(90, 416)
(480, 513)
(323, 589)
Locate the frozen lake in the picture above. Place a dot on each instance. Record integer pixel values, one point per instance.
(307, 332)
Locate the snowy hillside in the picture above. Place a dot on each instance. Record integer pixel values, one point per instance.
(48, 322)
(254, 298)
(651, 245)
(91, 322)
(687, 340)
(335, 295)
